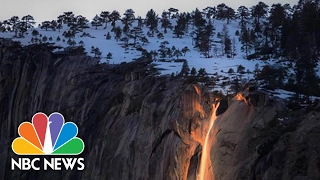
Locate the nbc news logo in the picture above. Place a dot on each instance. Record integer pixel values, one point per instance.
(47, 136)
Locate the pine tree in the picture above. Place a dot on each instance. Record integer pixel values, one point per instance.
(151, 20)
(165, 22)
(203, 39)
(97, 21)
(240, 69)
(302, 45)
(14, 21)
(243, 13)
(81, 43)
(28, 21)
(202, 72)
(259, 11)
(169, 53)
(109, 55)
(113, 17)
(185, 50)
(117, 33)
(21, 28)
(160, 35)
(233, 49)
(179, 29)
(173, 48)
(225, 12)
(277, 18)
(45, 25)
(246, 41)
(230, 71)
(230, 14)
(221, 11)
(96, 51)
(71, 42)
(104, 15)
(68, 18)
(188, 20)
(59, 23)
(80, 23)
(44, 38)
(210, 12)
(108, 36)
(227, 46)
(177, 53)
(163, 49)
(69, 34)
(226, 40)
(199, 21)
(126, 29)
(126, 42)
(185, 69)
(136, 34)
(140, 22)
(54, 25)
(254, 40)
(2, 27)
(193, 71)
(127, 20)
(35, 33)
(267, 36)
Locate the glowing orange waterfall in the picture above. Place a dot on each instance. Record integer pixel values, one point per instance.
(239, 97)
(205, 149)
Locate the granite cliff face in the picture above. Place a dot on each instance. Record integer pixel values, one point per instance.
(138, 126)
(134, 125)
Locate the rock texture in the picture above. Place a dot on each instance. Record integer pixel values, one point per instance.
(134, 125)
(265, 142)
(138, 126)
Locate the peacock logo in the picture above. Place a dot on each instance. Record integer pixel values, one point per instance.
(48, 136)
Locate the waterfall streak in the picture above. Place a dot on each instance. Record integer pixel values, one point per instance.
(205, 149)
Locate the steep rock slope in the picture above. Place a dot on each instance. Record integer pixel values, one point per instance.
(138, 126)
(265, 142)
(134, 125)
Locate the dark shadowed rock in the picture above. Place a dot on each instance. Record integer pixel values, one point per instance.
(258, 98)
(134, 125)
(138, 126)
(222, 107)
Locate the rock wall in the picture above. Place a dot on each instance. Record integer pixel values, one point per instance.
(265, 142)
(147, 127)
(137, 128)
